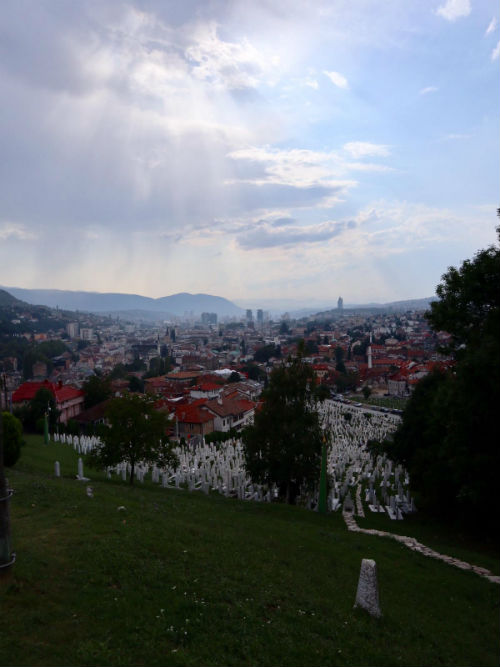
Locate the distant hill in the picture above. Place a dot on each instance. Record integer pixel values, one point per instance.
(7, 299)
(112, 303)
(411, 304)
(376, 308)
(19, 317)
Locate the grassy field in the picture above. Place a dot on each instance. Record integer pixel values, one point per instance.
(180, 578)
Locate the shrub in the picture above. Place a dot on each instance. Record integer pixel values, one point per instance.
(12, 439)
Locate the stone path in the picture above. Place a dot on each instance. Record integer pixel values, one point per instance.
(414, 545)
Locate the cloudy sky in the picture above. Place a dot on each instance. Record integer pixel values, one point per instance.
(258, 149)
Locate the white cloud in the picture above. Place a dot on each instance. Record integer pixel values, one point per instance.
(337, 79)
(454, 9)
(229, 64)
(360, 149)
(14, 230)
(312, 83)
(492, 26)
(368, 166)
(495, 54)
(455, 137)
(299, 168)
(429, 89)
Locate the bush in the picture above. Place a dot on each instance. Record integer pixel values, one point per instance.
(220, 436)
(12, 439)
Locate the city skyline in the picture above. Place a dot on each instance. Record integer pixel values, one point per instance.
(264, 151)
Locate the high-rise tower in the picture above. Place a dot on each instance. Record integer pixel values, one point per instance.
(369, 352)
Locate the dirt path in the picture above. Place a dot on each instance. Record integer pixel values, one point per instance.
(414, 545)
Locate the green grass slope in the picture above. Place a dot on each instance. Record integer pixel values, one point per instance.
(180, 578)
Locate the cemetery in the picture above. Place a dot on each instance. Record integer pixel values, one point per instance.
(156, 574)
(357, 481)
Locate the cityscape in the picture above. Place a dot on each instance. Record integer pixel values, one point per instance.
(249, 333)
(350, 350)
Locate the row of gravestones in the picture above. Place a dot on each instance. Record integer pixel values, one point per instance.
(82, 444)
(350, 467)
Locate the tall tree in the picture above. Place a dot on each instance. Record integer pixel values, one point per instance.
(450, 432)
(97, 389)
(136, 434)
(283, 446)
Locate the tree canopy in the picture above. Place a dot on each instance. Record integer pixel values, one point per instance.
(449, 436)
(264, 353)
(33, 414)
(136, 434)
(469, 301)
(97, 389)
(283, 446)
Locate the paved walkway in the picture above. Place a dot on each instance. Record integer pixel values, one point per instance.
(414, 545)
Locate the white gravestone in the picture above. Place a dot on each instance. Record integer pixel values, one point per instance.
(367, 594)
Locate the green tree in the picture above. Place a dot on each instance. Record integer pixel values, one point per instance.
(234, 377)
(367, 392)
(311, 347)
(157, 366)
(136, 434)
(448, 439)
(264, 353)
(33, 414)
(118, 372)
(254, 372)
(137, 365)
(339, 359)
(97, 389)
(284, 328)
(321, 392)
(44, 351)
(283, 446)
(346, 381)
(469, 301)
(135, 384)
(12, 438)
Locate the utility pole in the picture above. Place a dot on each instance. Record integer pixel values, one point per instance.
(46, 425)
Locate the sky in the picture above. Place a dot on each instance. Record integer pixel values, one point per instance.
(263, 150)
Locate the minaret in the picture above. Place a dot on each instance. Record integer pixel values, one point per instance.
(369, 352)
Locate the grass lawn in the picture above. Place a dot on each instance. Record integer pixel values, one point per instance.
(181, 578)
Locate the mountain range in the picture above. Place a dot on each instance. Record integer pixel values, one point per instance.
(135, 306)
(176, 305)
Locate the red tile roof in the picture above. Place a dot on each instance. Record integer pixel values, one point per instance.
(62, 393)
(193, 414)
(230, 406)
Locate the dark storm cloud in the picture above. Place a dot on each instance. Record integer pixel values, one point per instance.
(266, 237)
(283, 222)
